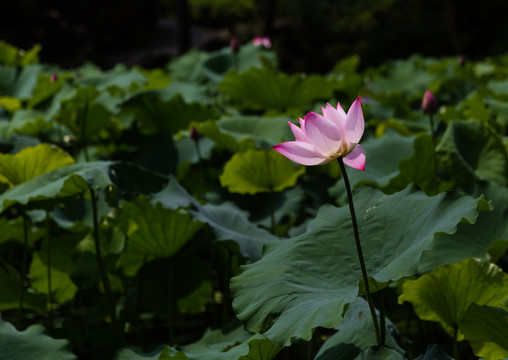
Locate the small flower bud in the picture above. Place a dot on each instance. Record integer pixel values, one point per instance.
(234, 45)
(429, 103)
(194, 134)
(54, 77)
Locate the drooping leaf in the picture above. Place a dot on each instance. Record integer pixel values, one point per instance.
(50, 188)
(257, 171)
(227, 221)
(472, 241)
(469, 150)
(283, 300)
(357, 329)
(32, 162)
(445, 293)
(486, 329)
(31, 344)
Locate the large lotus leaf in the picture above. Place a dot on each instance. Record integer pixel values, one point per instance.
(265, 131)
(256, 171)
(190, 92)
(13, 230)
(44, 89)
(357, 329)
(475, 240)
(9, 103)
(155, 230)
(409, 77)
(155, 115)
(470, 150)
(31, 344)
(68, 181)
(486, 329)
(445, 293)
(304, 282)
(29, 122)
(223, 139)
(32, 162)
(11, 292)
(264, 89)
(382, 168)
(227, 220)
(11, 55)
(119, 77)
(62, 288)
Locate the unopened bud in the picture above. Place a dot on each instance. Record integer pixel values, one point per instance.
(234, 45)
(265, 41)
(194, 134)
(54, 77)
(429, 103)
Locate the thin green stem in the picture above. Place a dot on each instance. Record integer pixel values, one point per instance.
(23, 268)
(382, 316)
(432, 132)
(98, 254)
(49, 297)
(83, 132)
(171, 299)
(359, 251)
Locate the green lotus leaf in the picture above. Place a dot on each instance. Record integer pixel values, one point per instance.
(230, 343)
(11, 55)
(31, 344)
(227, 220)
(155, 115)
(155, 230)
(9, 103)
(265, 131)
(53, 187)
(486, 329)
(62, 288)
(11, 292)
(469, 150)
(304, 282)
(472, 241)
(264, 89)
(382, 168)
(31, 162)
(444, 294)
(44, 89)
(29, 122)
(357, 330)
(256, 171)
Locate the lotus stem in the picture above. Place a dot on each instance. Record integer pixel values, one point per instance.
(98, 254)
(360, 252)
(49, 298)
(83, 132)
(432, 132)
(23, 268)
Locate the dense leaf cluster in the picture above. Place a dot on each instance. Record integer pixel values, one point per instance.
(144, 214)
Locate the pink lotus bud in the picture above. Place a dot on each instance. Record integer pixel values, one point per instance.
(265, 41)
(429, 103)
(234, 45)
(194, 134)
(54, 77)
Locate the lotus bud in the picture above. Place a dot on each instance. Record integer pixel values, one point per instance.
(429, 103)
(234, 45)
(194, 134)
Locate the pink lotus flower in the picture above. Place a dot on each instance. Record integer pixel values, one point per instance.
(265, 41)
(321, 139)
(429, 103)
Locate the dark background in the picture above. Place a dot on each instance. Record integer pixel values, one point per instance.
(308, 35)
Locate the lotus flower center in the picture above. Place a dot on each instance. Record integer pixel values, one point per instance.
(344, 150)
